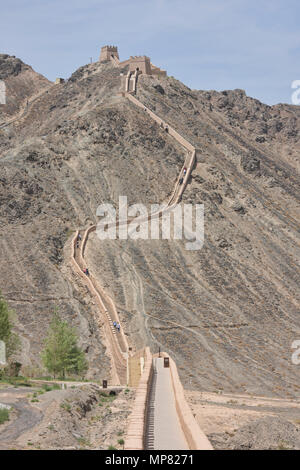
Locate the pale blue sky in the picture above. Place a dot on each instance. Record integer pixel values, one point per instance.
(207, 44)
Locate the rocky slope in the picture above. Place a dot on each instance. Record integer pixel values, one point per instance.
(227, 313)
(76, 147)
(22, 85)
(266, 434)
(244, 422)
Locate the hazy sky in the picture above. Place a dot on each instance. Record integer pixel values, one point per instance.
(207, 44)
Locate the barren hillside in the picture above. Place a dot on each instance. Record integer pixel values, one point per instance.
(22, 85)
(227, 313)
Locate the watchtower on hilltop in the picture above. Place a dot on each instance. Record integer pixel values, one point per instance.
(108, 52)
(141, 63)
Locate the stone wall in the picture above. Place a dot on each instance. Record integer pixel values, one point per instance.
(142, 63)
(194, 436)
(136, 432)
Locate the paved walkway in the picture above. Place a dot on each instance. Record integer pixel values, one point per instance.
(165, 426)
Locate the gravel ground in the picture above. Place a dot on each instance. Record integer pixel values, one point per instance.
(75, 418)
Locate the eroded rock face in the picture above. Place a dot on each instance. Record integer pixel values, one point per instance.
(11, 66)
(250, 163)
(227, 313)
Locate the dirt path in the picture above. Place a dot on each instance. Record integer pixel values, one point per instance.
(27, 416)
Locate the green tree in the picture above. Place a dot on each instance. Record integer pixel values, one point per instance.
(11, 339)
(61, 354)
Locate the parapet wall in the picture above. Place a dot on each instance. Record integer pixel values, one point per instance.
(194, 436)
(157, 71)
(118, 354)
(160, 121)
(142, 63)
(136, 432)
(191, 157)
(119, 360)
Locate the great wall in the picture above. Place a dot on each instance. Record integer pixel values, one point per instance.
(161, 417)
(193, 349)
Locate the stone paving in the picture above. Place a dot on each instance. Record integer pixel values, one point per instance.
(168, 433)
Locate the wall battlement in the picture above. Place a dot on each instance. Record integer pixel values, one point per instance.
(141, 63)
(107, 52)
(139, 57)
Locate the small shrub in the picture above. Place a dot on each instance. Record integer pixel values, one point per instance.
(66, 406)
(107, 398)
(83, 442)
(283, 446)
(4, 415)
(49, 388)
(121, 442)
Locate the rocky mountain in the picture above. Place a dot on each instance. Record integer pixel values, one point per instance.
(227, 313)
(22, 84)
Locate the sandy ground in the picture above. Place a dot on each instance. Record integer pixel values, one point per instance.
(225, 416)
(81, 417)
